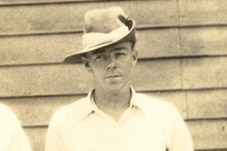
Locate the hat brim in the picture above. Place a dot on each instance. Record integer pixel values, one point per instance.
(130, 36)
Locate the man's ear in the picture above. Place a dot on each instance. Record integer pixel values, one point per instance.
(134, 57)
(86, 63)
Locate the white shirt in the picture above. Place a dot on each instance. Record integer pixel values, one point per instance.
(147, 125)
(12, 136)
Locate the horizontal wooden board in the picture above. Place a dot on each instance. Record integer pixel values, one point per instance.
(203, 41)
(74, 79)
(149, 75)
(44, 80)
(202, 12)
(37, 111)
(27, 2)
(69, 17)
(156, 43)
(207, 104)
(53, 48)
(207, 135)
(38, 49)
(207, 72)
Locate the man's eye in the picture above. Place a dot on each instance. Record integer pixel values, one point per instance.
(120, 54)
(99, 57)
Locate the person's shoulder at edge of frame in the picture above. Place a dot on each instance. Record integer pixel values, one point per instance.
(8, 118)
(6, 111)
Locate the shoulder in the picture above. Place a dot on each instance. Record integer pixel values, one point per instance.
(161, 112)
(149, 101)
(7, 115)
(156, 106)
(8, 121)
(72, 112)
(4, 109)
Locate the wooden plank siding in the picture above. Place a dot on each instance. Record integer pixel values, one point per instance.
(182, 48)
(74, 79)
(37, 19)
(209, 72)
(202, 12)
(40, 48)
(158, 43)
(30, 2)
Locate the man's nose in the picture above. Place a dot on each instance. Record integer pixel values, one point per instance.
(111, 62)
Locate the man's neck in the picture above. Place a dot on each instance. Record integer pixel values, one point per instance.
(113, 103)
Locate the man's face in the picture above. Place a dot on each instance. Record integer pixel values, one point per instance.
(112, 66)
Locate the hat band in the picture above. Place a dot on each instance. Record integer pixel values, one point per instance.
(94, 39)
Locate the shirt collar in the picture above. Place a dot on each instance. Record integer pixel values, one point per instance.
(134, 101)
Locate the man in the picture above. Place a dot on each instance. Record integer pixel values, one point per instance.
(12, 136)
(113, 117)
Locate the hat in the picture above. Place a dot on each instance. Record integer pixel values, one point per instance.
(102, 28)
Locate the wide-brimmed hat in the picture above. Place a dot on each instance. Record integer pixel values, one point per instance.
(102, 28)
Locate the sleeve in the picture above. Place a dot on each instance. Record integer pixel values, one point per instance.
(53, 139)
(18, 140)
(180, 139)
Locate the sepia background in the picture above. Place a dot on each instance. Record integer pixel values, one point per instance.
(182, 58)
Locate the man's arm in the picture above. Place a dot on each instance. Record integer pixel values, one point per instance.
(53, 139)
(11, 130)
(180, 139)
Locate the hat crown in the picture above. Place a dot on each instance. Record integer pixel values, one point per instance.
(104, 27)
(104, 20)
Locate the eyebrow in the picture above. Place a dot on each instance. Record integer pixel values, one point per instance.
(119, 48)
(97, 52)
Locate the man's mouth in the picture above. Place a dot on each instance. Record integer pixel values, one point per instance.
(113, 76)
